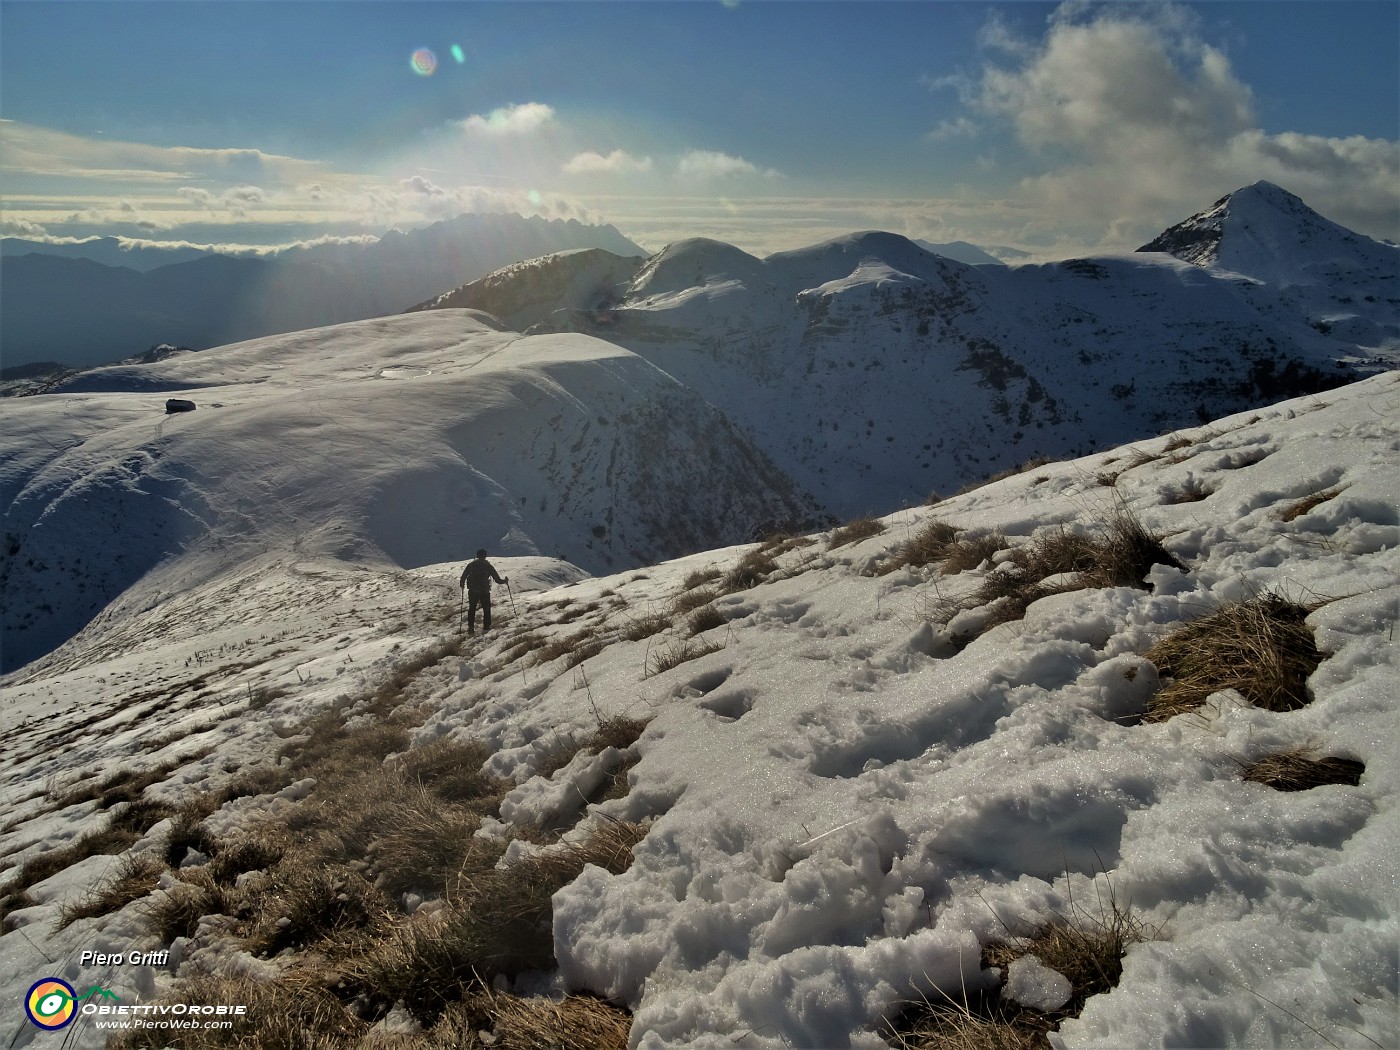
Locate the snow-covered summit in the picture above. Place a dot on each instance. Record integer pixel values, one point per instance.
(1265, 232)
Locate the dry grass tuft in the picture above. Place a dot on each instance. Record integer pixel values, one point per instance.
(618, 731)
(704, 619)
(701, 577)
(640, 628)
(753, 568)
(262, 847)
(860, 529)
(493, 921)
(1087, 949)
(970, 550)
(537, 1023)
(1120, 554)
(692, 600)
(133, 878)
(780, 543)
(929, 545)
(1125, 551)
(451, 770)
(295, 1012)
(1263, 648)
(187, 831)
(305, 902)
(679, 652)
(177, 912)
(978, 1024)
(1307, 503)
(569, 646)
(1189, 491)
(1299, 769)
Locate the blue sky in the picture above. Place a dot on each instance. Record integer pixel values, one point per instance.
(1050, 127)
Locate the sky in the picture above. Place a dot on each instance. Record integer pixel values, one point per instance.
(1051, 128)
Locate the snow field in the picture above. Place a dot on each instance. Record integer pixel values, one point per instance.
(845, 804)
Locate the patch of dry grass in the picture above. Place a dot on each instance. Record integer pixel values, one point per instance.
(640, 628)
(304, 902)
(854, 531)
(926, 547)
(450, 769)
(1300, 507)
(132, 878)
(692, 600)
(106, 840)
(1189, 491)
(700, 577)
(1118, 554)
(753, 568)
(706, 618)
(679, 652)
(779, 543)
(537, 1023)
(971, 549)
(1300, 769)
(1263, 648)
(177, 911)
(570, 646)
(1085, 947)
(295, 1012)
(493, 921)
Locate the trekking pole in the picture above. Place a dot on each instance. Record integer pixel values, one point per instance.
(462, 618)
(513, 610)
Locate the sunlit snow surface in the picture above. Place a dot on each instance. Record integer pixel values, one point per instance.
(843, 808)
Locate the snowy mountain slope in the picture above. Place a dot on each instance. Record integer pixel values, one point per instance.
(1344, 283)
(844, 803)
(407, 439)
(961, 251)
(530, 292)
(874, 372)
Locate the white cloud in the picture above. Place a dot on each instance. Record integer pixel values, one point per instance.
(511, 120)
(418, 184)
(711, 164)
(955, 127)
(34, 152)
(1134, 115)
(11, 227)
(618, 162)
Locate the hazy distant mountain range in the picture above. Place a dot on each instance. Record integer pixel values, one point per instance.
(611, 411)
(96, 303)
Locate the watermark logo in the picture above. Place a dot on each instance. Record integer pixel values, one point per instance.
(51, 1003)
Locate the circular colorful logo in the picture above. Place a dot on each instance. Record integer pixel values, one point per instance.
(51, 1003)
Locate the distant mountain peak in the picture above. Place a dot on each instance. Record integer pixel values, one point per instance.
(1265, 232)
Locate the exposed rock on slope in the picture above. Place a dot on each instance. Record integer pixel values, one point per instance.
(551, 290)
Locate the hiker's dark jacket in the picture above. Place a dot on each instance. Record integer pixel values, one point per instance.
(477, 576)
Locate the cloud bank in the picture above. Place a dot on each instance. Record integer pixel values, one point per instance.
(1131, 113)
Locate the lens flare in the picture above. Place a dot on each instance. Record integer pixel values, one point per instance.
(424, 62)
(457, 54)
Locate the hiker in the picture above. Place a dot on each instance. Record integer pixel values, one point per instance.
(476, 578)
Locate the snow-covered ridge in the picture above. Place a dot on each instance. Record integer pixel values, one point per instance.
(404, 440)
(843, 806)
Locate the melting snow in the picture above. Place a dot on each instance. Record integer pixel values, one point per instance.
(845, 807)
